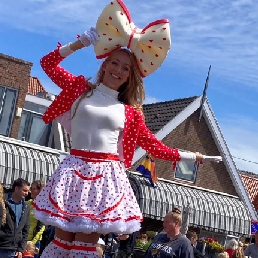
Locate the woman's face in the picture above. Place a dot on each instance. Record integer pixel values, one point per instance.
(34, 191)
(117, 70)
(169, 224)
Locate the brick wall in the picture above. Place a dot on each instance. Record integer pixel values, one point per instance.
(15, 73)
(194, 136)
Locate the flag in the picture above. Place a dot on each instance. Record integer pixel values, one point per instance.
(147, 169)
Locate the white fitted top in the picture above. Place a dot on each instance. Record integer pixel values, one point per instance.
(99, 122)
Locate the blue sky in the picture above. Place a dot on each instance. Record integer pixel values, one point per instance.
(219, 33)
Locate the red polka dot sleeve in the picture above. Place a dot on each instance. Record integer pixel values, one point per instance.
(50, 64)
(148, 141)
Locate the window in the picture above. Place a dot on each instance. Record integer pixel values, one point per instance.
(8, 98)
(186, 170)
(32, 128)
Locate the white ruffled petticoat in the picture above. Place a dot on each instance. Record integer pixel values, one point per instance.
(89, 197)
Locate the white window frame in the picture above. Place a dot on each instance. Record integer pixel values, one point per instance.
(28, 123)
(196, 167)
(35, 101)
(58, 132)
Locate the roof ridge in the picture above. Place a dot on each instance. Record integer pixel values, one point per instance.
(15, 59)
(170, 101)
(248, 173)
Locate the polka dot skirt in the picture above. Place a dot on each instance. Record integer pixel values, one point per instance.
(89, 197)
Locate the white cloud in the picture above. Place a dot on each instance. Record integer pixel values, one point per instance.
(241, 134)
(150, 100)
(217, 32)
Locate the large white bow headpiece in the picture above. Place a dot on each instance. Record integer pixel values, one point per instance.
(116, 29)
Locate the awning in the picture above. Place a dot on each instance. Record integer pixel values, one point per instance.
(210, 211)
(28, 161)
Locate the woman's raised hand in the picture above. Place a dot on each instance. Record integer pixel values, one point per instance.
(89, 37)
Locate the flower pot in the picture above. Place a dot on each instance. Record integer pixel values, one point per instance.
(210, 253)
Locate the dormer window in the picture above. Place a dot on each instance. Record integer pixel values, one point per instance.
(32, 128)
(186, 170)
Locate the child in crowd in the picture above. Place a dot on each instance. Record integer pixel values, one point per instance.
(100, 247)
(30, 250)
(223, 255)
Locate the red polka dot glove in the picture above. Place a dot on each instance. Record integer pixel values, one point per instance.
(212, 158)
(89, 37)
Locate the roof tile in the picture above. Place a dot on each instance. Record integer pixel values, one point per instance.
(157, 115)
(35, 86)
(250, 181)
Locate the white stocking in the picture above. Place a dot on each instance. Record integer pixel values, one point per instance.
(83, 250)
(58, 248)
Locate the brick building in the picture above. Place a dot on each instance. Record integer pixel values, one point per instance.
(14, 80)
(21, 126)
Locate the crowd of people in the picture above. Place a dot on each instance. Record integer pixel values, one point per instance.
(240, 249)
(20, 232)
(22, 235)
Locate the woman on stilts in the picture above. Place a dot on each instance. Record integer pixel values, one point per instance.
(89, 194)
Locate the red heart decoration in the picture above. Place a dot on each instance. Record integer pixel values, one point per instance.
(110, 18)
(151, 63)
(157, 55)
(111, 39)
(151, 40)
(164, 38)
(141, 60)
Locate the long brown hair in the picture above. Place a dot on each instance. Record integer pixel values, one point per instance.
(239, 253)
(130, 93)
(2, 203)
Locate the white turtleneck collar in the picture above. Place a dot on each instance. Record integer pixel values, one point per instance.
(107, 91)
